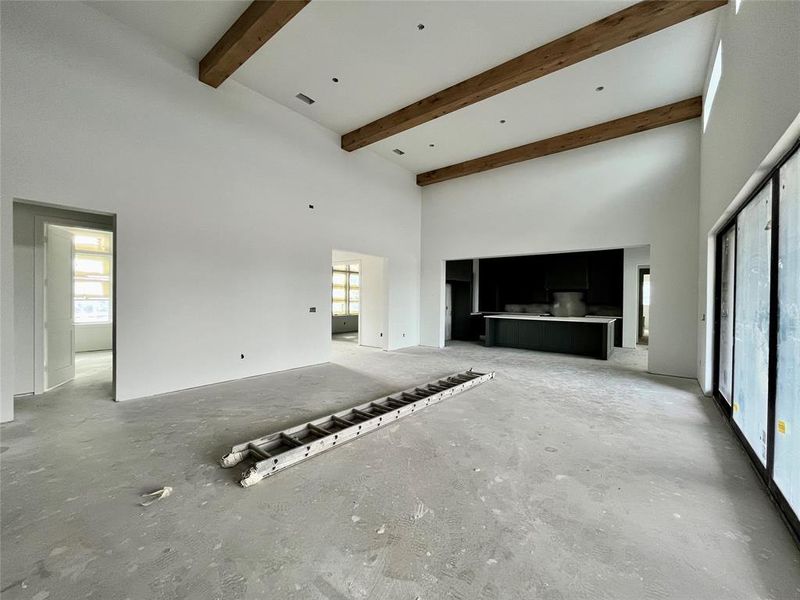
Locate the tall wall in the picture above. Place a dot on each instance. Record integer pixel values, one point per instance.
(635, 191)
(218, 252)
(752, 121)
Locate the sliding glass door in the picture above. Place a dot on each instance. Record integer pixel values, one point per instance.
(757, 330)
(786, 469)
(751, 321)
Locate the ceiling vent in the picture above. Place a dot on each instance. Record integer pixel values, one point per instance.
(305, 98)
(398, 151)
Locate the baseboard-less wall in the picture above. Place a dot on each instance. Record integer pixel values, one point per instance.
(639, 190)
(91, 337)
(344, 324)
(218, 252)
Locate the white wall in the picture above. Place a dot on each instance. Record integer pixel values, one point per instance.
(372, 321)
(757, 101)
(634, 258)
(90, 337)
(638, 190)
(211, 191)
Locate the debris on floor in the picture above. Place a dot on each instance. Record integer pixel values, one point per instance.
(157, 495)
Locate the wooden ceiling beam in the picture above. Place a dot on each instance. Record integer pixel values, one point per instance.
(643, 121)
(618, 29)
(253, 29)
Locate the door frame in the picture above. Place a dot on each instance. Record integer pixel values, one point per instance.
(642, 271)
(41, 223)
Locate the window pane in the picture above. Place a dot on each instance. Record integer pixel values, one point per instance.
(86, 264)
(354, 308)
(339, 293)
(355, 279)
(92, 241)
(751, 321)
(354, 295)
(339, 308)
(339, 278)
(787, 403)
(355, 268)
(92, 311)
(89, 288)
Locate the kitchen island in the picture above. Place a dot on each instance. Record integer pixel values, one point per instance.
(585, 336)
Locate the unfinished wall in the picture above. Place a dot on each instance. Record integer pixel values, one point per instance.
(752, 122)
(211, 189)
(91, 337)
(638, 190)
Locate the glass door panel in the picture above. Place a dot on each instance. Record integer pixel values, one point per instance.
(751, 321)
(786, 471)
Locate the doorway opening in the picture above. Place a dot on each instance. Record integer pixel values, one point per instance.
(359, 299)
(346, 301)
(64, 263)
(643, 335)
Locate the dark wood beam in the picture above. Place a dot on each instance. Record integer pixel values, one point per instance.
(611, 32)
(253, 29)
(649, 119)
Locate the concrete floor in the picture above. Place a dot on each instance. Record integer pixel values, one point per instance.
(564, 478)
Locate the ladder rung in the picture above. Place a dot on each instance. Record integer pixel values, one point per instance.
(256, 450)
(361, 413)
(290, 440)
(318, 430)
(341, 421)
(412, 397)
(380, 407)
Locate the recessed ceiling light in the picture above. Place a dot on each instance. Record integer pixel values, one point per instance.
(599, 88)
(421, 26)
(502, 120)
(398, 151)
(335, 80)
(305, 98)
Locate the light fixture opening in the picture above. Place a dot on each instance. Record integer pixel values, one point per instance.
(398, 151)
(502, 121)
(421, 26)
(335, 80)
(599, 88)
(305, 98)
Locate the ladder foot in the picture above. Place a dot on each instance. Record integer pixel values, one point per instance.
(251, 477)
(231, 459)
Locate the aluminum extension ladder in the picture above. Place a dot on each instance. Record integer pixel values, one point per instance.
(277, 451)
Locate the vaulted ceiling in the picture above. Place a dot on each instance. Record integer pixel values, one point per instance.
(389, 54)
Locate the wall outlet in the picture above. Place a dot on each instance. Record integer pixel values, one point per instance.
(242, 356)
(312, 309)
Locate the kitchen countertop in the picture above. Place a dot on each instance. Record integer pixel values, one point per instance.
(526, 317)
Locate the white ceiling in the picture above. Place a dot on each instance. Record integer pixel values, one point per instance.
(384, 62)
